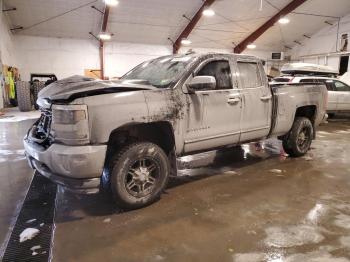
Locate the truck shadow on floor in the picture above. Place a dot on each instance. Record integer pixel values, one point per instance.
(70, 207)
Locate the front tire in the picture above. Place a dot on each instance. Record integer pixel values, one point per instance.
(299, 140)
(139, 174)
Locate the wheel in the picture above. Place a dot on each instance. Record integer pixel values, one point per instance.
(24, 98)
(298, 141)
(37, 86)
(139, 174)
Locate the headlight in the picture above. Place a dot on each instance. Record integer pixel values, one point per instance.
(68, 117)
(70, 124)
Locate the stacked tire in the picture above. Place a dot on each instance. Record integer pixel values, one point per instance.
(24, 97)
(27, 94)
(37, 87)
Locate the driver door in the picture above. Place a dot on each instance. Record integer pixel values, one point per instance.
(213, 118)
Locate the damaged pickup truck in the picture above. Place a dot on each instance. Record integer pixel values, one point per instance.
(127, 134)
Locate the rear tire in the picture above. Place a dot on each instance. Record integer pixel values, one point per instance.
(299, 140)
(24, 98)
(139, 174)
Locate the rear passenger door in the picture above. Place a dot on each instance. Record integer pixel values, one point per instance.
(256, 100)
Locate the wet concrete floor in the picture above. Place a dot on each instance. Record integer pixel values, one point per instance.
(242, 204)
(15, 174)
(249, 204)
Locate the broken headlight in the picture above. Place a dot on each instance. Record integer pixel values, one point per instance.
(70, 124)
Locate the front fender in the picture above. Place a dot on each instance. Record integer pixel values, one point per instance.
(110, 111)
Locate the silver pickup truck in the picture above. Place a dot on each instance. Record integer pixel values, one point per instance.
(127, 134)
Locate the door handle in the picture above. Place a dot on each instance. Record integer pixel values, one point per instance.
(265, 98)
(233, 101)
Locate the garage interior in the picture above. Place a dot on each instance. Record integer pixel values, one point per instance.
(246, 203)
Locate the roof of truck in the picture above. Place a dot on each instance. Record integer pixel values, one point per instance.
(213, 54)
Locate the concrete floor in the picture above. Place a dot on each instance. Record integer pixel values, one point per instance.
(15, 175)
(249, 204)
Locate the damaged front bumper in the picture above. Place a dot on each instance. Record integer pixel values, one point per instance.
(78, 168)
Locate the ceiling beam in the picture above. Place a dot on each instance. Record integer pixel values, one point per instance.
(193, 22)
(101, 51)
(105, 19)
(262, 29)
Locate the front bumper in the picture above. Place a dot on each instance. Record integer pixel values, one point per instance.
(78, 168)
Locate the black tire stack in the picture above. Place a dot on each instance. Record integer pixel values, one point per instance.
(24, 97)
(27, 94)
(37, 87)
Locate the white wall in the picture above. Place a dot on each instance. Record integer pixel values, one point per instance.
(67, 57)
(265, 55)
(63, 57)
(121, 57)
(323, 44)
(7, 54)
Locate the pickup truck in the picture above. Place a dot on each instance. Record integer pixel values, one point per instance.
(126, 135)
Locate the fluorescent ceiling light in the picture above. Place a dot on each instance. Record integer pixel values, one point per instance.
(186, 42)
(283, 20)
(111, 2)
(251, 46)
(208, 12)
(105, 36)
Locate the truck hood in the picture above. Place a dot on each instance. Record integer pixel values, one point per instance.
(80, 86)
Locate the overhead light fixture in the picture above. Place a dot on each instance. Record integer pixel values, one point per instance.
(208, 12)
(186, 41)
(105, 36)
(251, 46)
(111, 2)
(283, 20)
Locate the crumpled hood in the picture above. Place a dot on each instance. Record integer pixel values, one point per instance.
(80, 86)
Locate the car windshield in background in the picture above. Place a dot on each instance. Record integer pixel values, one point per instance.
(162, 72)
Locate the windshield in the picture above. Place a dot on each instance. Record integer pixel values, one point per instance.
(162, 72)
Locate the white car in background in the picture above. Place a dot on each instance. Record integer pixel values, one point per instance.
(338, 90)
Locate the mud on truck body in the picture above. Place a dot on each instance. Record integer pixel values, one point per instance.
(126, 135)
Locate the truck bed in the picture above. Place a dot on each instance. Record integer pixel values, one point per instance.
(287, 97)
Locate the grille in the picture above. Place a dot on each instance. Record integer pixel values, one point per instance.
(39, 204)
(44, 124)
(40, 132)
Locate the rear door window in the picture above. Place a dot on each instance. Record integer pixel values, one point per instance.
(250, 74)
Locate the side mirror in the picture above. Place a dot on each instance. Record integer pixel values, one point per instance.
(201, 83)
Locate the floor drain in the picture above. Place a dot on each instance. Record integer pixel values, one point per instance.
(37, 212)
